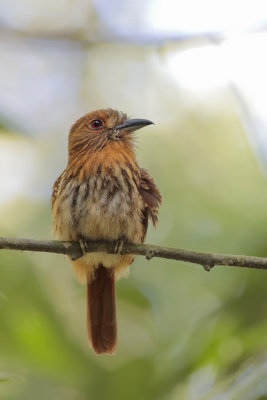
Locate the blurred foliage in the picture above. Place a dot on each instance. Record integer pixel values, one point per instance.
(183, 334)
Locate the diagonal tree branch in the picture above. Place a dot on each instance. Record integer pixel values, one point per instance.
(73, 249)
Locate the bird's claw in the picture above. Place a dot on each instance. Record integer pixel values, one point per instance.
(119, 246)
(83, 246)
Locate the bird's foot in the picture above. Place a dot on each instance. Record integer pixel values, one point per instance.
(119, 246)
(83, 246)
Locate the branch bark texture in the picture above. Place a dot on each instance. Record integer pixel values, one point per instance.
(73, 250)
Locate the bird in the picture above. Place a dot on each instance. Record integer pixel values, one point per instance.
(103, 194)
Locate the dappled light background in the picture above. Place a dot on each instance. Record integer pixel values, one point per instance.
(198, 70)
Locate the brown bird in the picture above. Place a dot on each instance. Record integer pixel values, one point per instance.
(103, 194)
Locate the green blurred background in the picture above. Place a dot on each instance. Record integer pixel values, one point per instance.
(183, 333)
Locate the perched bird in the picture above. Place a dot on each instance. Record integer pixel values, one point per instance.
(103, 194)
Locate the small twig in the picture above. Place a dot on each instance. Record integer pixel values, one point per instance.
(73, 249)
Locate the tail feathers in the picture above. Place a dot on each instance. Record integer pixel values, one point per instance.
(101, 311)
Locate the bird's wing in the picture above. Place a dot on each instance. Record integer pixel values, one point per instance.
(151, 197)
(56, 188)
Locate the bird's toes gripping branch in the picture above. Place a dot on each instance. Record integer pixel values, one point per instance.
(83, 246)
(119, 246)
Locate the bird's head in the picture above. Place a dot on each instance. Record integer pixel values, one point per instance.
(97, 129)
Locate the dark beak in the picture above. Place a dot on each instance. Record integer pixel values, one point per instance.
(133, 124)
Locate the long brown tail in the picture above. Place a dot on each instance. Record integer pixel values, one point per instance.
(101, 311)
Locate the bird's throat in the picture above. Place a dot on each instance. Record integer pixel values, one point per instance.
(115, 155)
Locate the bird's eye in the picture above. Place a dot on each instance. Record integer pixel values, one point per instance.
(96, 124)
